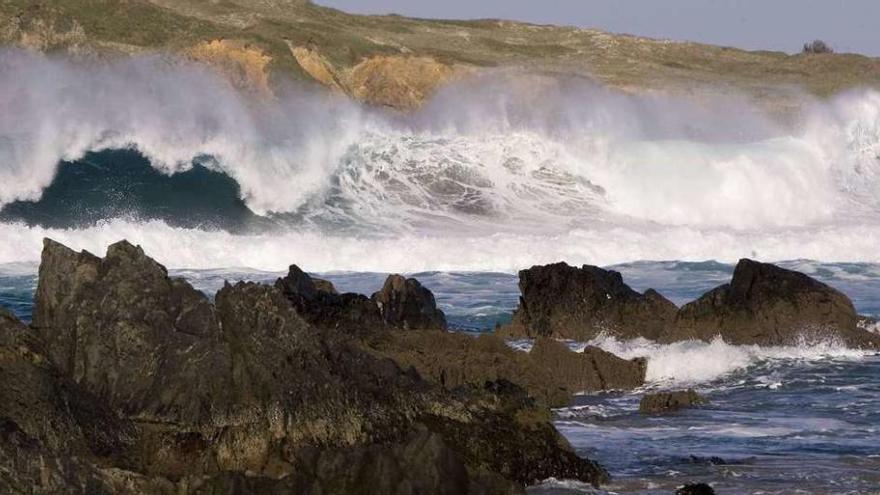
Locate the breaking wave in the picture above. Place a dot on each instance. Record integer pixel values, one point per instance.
(694, 362)
(495, 173)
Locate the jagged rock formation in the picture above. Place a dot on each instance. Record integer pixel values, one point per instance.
(763, 304)
(156, 390)
(665, 402)
(317, 302)
(401, 304)
(404, 303)
(767, 305)
(566, 302)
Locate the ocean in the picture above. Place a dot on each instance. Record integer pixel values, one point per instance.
(781, 420)
(493, 175)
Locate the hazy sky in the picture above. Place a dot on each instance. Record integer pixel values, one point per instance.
(847, 25)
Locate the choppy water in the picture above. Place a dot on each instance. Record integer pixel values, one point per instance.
(781, 420)
(494, 174)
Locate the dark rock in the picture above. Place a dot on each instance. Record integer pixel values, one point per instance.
(454, 360)
(763, 304)
(524, 449)
(322, 285)
(159, 389)
(404, 303)
(707, 461)
(123, 330)
(695, 489)
(665, 402)
(52, 432)
(551, 372)
(591, 370)
(317, 302)
(768, 305)
(561, 301)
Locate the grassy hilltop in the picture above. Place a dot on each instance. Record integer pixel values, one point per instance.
(397, 61)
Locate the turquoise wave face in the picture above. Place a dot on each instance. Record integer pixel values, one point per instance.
(121, 183)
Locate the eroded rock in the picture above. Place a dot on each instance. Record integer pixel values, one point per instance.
(763, 305)
(767, 305)
(246, 395)
(562, 301)
(318, 302)
(405, 303)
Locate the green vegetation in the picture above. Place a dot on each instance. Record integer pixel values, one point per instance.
(273, 26)
(817, 46)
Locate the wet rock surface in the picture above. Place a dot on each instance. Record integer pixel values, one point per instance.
(767, 305)
(695, 489)
(567, 302)
(762, 305)
(667, 402)
(150, 388)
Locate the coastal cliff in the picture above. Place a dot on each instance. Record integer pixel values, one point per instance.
(399, 62)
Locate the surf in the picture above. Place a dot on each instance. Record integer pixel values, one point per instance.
(499, 172)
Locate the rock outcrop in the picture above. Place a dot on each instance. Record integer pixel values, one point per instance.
(150, 388)
(763, 304)
(120, 328)
(666, 402)
(562, 301)
(404, 303)
(550, 372)
(768, 305)
(589, 370)
(317, 302)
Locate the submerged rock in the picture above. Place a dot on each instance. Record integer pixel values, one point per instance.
(151, 388)
(695, 489)
(767, 305)
(404, 303)
(665, 402)
(580, 303)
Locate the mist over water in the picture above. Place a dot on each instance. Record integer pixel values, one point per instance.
(498, 172)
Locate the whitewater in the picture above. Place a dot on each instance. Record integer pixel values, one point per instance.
(780, 419)
(495, 173)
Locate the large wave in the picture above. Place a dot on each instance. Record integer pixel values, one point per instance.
(497, 172)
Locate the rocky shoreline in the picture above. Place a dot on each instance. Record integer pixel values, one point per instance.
(128, 381)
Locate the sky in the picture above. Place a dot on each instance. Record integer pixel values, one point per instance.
(784, 25)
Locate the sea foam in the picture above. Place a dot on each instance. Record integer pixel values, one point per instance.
(498, 172)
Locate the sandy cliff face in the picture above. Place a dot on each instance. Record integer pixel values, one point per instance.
(397, 81)
(244, 65)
